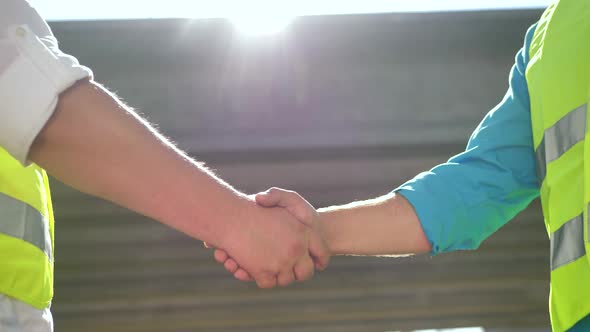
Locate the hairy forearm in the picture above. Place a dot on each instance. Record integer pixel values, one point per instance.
(383, 226)
(97, 145)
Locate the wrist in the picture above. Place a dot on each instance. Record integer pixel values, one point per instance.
(329, 230)
(211, 211)
(230, 229)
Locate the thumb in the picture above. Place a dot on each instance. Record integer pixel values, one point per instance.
(269, 198)
(290, 201)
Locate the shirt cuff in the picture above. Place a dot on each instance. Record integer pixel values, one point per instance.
(30, 86)
(427, 215)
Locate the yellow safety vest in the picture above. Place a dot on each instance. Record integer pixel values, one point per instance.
(558, 77)
(26, 233)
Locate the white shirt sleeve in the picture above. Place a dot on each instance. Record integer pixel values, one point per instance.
(33, 72)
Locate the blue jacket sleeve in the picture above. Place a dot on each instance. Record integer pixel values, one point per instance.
(463, 201)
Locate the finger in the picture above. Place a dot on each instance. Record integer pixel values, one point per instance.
(268, 198)
(290, 200)
(321, 265)
(304, 269)
(207, 245)
(220, 256)
(242, 275)
(286, 277)
(266, 280)
(230, 265)
(318, 250)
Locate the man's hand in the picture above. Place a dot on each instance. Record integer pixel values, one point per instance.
(98, 145)
(304, 212)
(386, 225)
(272, 245)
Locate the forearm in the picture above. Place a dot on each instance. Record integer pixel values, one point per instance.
(383, 226)
(97, 145)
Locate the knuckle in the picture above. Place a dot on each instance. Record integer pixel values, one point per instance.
(305, 274)
(264, 281)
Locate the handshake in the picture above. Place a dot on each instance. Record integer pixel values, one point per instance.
(277, 237)
(279, 241)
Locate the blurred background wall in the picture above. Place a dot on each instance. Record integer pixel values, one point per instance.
(338, 108)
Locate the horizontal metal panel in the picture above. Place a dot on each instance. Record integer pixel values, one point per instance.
(401, 103)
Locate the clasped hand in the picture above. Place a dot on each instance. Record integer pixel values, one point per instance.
(282, 243)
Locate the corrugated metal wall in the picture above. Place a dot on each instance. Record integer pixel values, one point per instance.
(338, 108)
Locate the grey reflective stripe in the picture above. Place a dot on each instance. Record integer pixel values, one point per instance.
(22, 221)
(560, 137)
(564, 134)
(567, 243)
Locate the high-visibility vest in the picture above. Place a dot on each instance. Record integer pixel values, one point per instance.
(558, 77)
(26, 233)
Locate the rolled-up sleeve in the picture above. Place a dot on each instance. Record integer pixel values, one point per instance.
(33, 72)
(463, 201)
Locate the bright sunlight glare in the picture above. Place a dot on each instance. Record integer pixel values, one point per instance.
(252, 22)
(255, 17)
(260, 26)
(260, 13)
